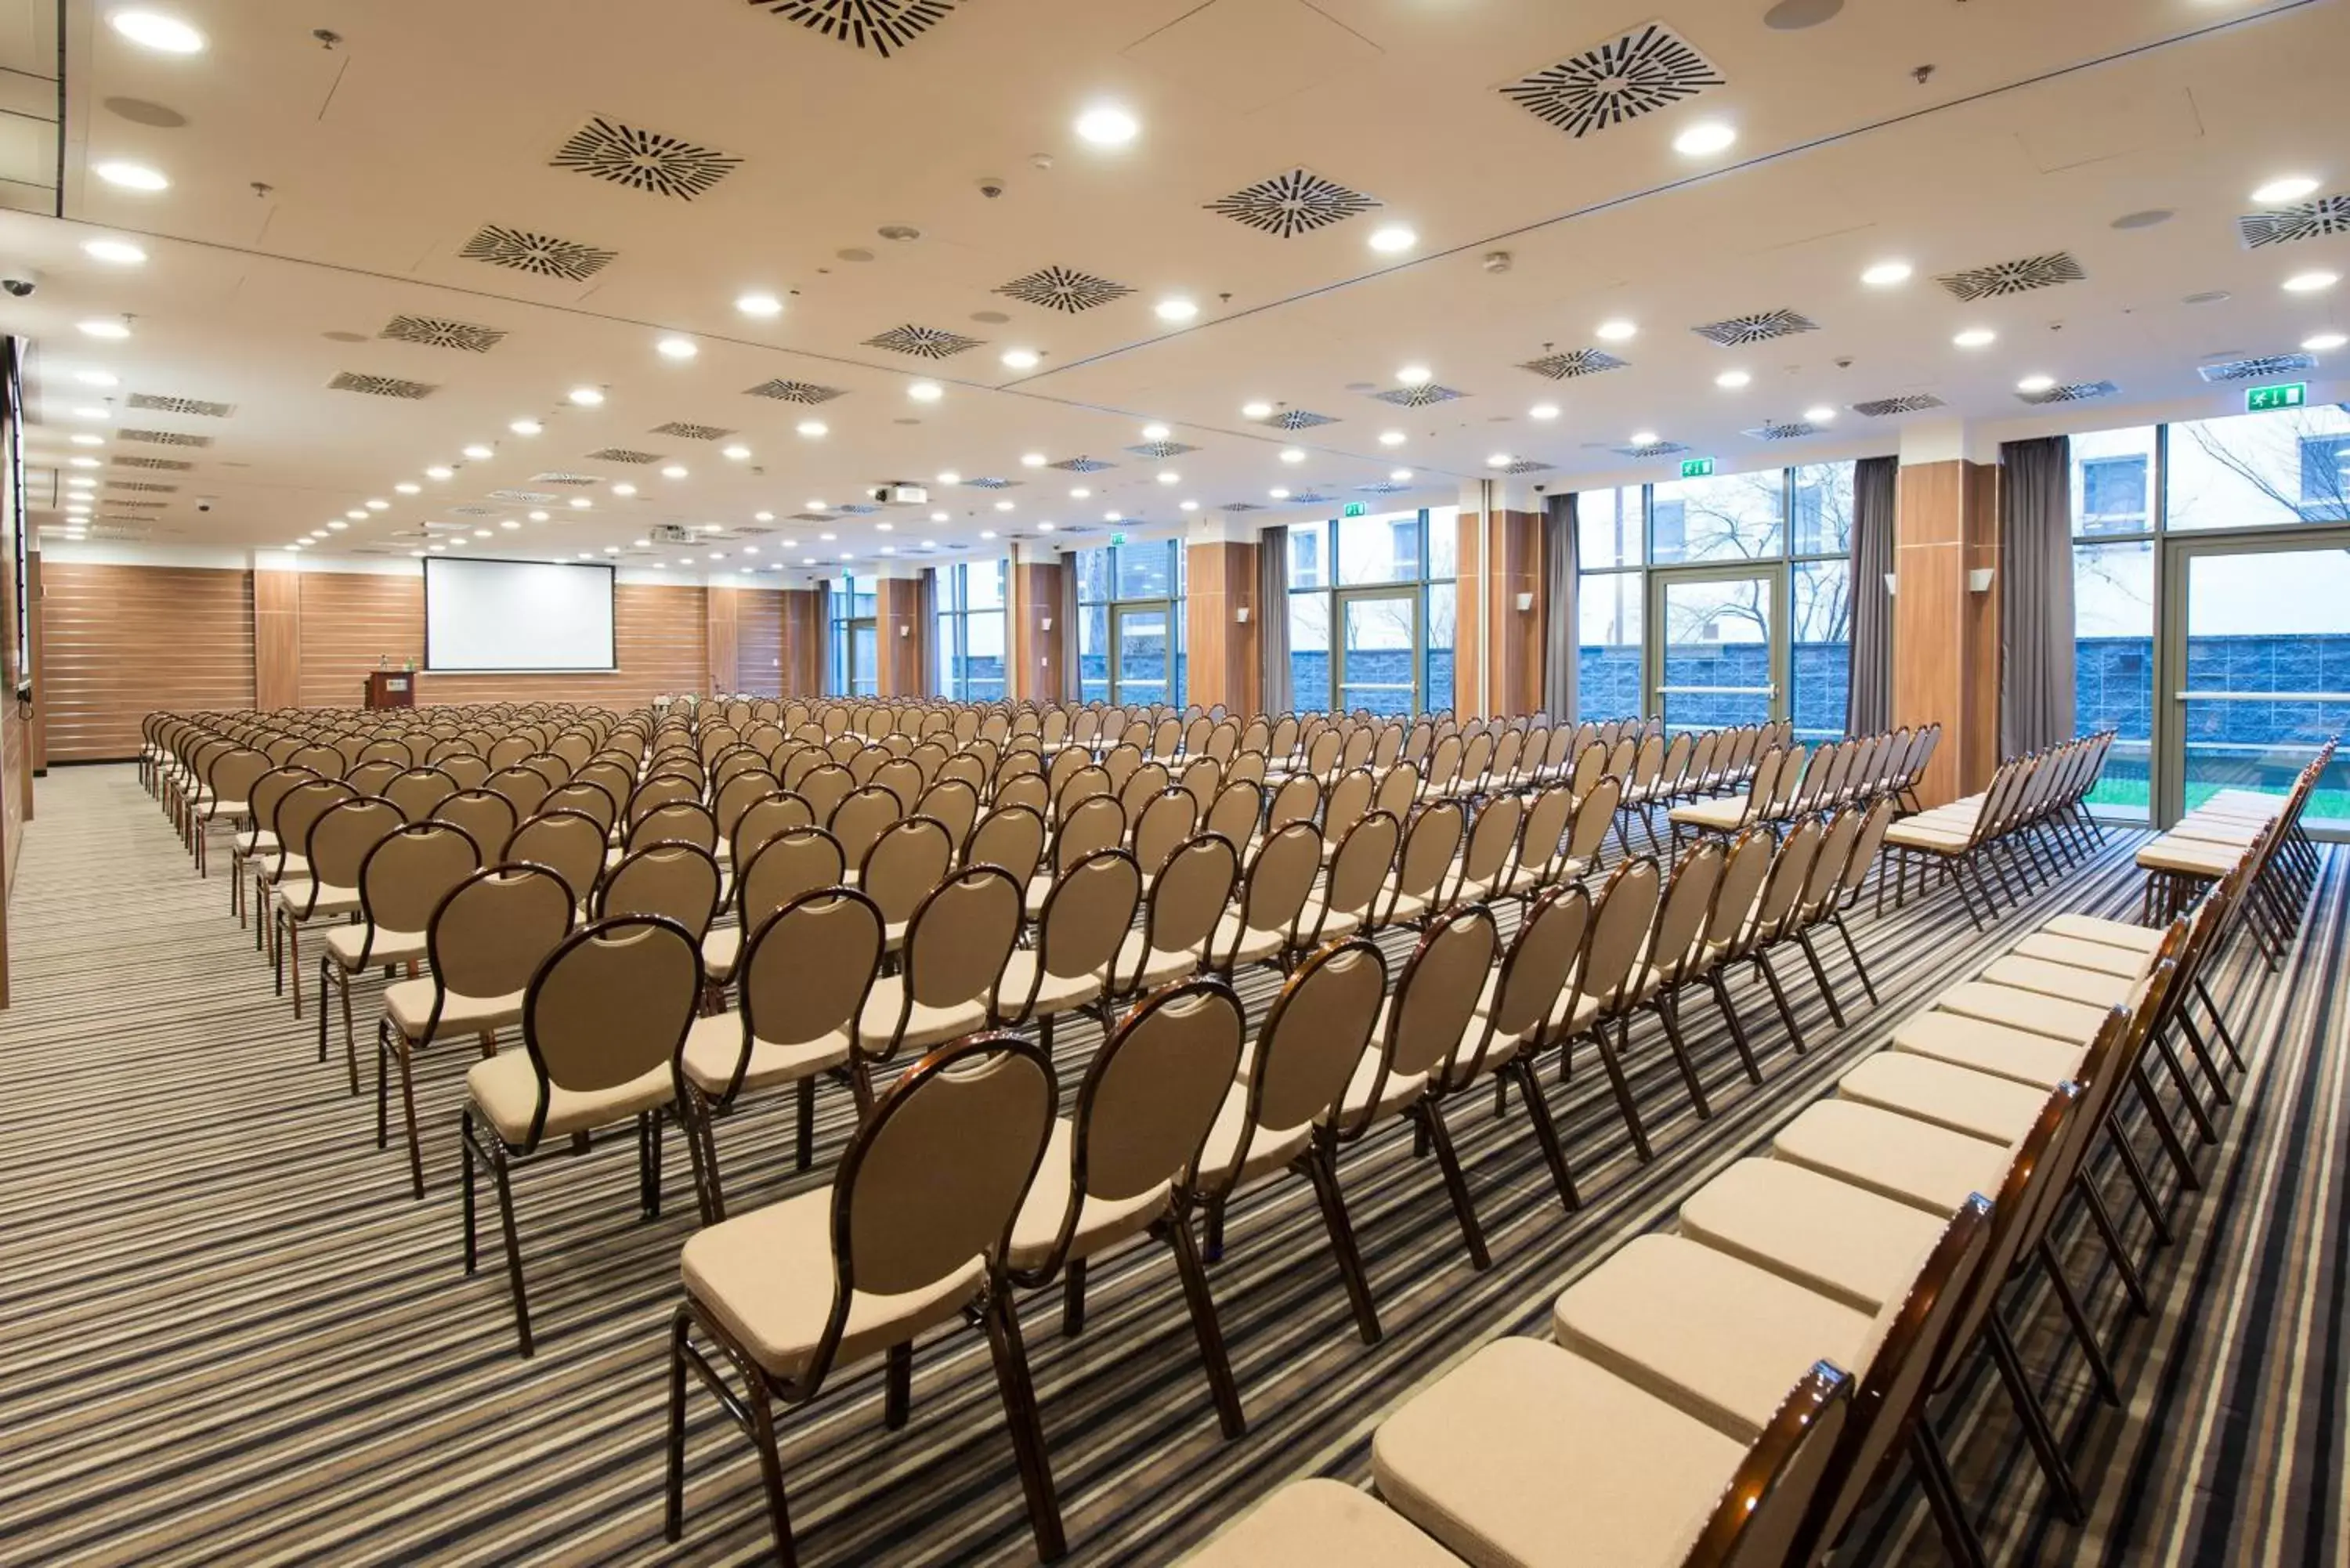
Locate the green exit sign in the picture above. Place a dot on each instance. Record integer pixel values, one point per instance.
(1118, 538)
(1697, 468)
(2267, 400)
(1353, 509)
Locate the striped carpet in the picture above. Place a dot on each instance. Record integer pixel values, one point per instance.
(229, 1336)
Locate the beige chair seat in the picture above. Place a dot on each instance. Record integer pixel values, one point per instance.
(1723, 813)
(1825, 1234)
(2058, 979)
(1160, 968)
(721, 948)
(1345, 923)
(505, 1087)
(262, 843)
(1529, 1454)
(2248, 802)
(1892, 1154)
(2075, 952)
(715, 1044)
(409, 1004)
(1400, 1089)
(1409, 906)
(2071, 1021)
(294, 897)
(1102, 1223)
(2015, 1055)
(1032, 902)
(1255, 946)
(2218, 831)
(1910, 837)
(768, 1277)
(345, 942)
(1321, 1521)
(1708, 1333)
(1269, 1148)
(1961, 1099)
(2113, 933)
(2186, 858)
(1054, 993)
(925, 1026)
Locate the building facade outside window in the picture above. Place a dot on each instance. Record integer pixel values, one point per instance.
(967, 632)
(854, 667)
(1371, 611)
(1130, 622)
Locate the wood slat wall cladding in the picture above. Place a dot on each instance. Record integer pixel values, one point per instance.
(759, 641)
(349, 621)
(119, 642)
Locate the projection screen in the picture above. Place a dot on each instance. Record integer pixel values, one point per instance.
(517, 618)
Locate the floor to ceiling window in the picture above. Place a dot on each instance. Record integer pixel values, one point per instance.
(967, 639)
(1724, 599)
(1130, 622)
(1371, 605)
(855, 668)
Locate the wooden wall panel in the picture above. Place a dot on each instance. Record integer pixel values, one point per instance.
(121, 641)
(902, 625)
(759, 641)
(719, 606)
(1219, 650)
(277, 639)
(1945, 639)
(804, 633)
(351, 620)
(1040, 672)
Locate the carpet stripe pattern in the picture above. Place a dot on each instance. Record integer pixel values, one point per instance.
(230, 1337)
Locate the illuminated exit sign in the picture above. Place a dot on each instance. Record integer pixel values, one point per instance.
(1697, 468)
(1353, 509)
(1118, 538)
(2267, 400)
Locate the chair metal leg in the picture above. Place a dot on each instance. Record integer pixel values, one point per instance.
(1853, 948)
(1959, 1537)
(2036, 1429)
(2205, 1132)
(897, 1386)
(673, 1448)
(1321, 1171)
(494, 1156)
(1020, 1413)
(2164, 1132)
(1737, 1027)
(1779, 999)
(1428, 1120)
(1546, 1134)
(1073, 1299)
(2219, 1024)
(1664, 1015)
(2103, 1220)
(2139, 1184)
(2083, 1330)
(1607, 1059)
(1820, 977)
(1176, 1232)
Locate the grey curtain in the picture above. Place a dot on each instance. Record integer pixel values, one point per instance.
(1273, 618)
(1868, 695)
(1064, 620)
(2035, 593)
(1561, 639)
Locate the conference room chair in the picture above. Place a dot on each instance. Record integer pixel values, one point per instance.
(673, 880)
(326, 883)
(1087, 918)
(258, 844)
(402, 879)
(1262, 926)
(487, 819)
(1775, 909)
(571, 844)
(909, 859)
(955, 950)
(1485, 859)
(1181, 912)
(1600, 990)
(1161, 825)
(1086, 824)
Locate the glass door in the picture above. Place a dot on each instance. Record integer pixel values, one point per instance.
(1719, 658)
(864, 658)
(1378, 663)
(2257, 669)
(1142, 647)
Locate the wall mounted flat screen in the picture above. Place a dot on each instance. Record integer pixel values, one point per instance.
(517, 618)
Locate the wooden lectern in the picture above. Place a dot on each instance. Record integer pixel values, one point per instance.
(392, 689)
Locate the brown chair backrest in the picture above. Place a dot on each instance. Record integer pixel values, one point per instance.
(675, 881)
(675, 822)
(341, 838)
(1436, 996)
(959, 940)
(807, 970)
(909, 859)
(1151, 1094)
(494, 928)
(1011, 837)
(861, 818)
(407, 875)
(566, 842)
(611, 1004)
(1314, 1037)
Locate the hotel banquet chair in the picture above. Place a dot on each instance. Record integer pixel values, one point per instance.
(1601, 991)
(401, 882)
(1359, 872)
(326, 883)
(260, 835)
(604, 1021)
(910, 858)
(568, 843)
(1086, 918)
(806, 971)
(910, 1235)
(1272, 901)
(1179, 916)
(1277, 1117)
(482, 944)
(487, 819)
(1510, 1021)
(946, 985)
(1120, 1165)
(676, 881)
(1011, 837)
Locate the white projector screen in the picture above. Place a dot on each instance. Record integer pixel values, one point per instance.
(517, 616)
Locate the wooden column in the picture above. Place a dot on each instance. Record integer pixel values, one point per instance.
(1039, 672)
(901, 623)
(721, 607)
(277, 640)
(1493, 634)
(804, 637)
(1219, 650)
(1946, 657)
(40, 735)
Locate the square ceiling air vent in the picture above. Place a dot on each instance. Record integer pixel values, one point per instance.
(154, 464)
(685, 432)
(646, 160)
(1294, 203)
(1161, 449)
(474, 511)
(785, 392)
(542, 255)
(142, 487)
(165, 438)
(1908, 403)
(1310, 498)
(923, 342)
(1638, 73)
(153, 403)
(1786, 430)
(624, 454)
(439, 332)
(525, 498)
(558, 476)
(1573, 363)
(1383, 487)
(990, 481)
(2022, 275)
(1082, 465)
(877, 26)
(2258, 368)
(1653, 449)
(1058, 288)
(1736, 331)
(2070, 392)
(1240, 507)
(1297, 420)
(857, 508)
(1521, 465)
(380, 385)
(2325, 217)
(1417, 396)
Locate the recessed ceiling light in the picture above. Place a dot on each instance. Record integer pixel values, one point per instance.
(673, 471)
(677, 347)
(1732, 379)
(624, 488)
(2324, 342)
(1399, 475)
(1046, 528)
(481, 533)
(539, 516)
(92, 414)
(477, 451)
(377, 503)
(1168, 476)
(987, 532)
(81, 462)
(1821, 415)
(1107, 125)
(1156, 432)
(416, 555)
(97, 379)
(508, 523)
(1256, 411)
(1415, 375)
(2311, 281)
(1187, 506)
(2283, 189)
(1079, 493)
(112, 330)
(439, 472)
(356, 516)
(131, 176)
(758, 305)
(827, 538)
(1976, 337)
(81, 481)
(1542, 411)
(949, 476)
(2035, 383)
(818, 506)
(1021, 358)
(1500, 459)
(1292, 454)
(1392, 238)
(738, 452)
(1175, 309)
(1113, 517)
(1616, 330)
(1004, 506)
(120, 252)
(1644, 438)
(926, 391)
(812, 428)
(886, 527)
(526, 427)
(1391, 438)
(580, 504)
(588, 397)
(1706, 136)
(939, 517)
(763, 517)
(1886, 274)
(155, 30)
(1032, 460)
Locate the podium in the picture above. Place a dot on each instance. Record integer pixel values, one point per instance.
(392, 689)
